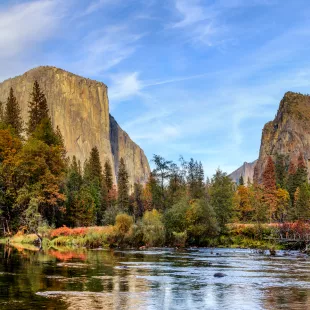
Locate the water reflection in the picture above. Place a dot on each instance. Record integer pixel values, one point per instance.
(161, 279)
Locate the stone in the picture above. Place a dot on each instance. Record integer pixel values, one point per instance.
(288, 134)
(219, 275)
(246, 171)
(80, 108)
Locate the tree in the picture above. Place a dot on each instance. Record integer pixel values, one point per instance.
(12, 116)
(281, 171)
(138, 208)
(221, 197)
(161, 173)
(123, 187)
(38, 109)
(302, 202)
(1, 112)
(269, 183)
(93, 172)
(242, 203)
(297, 177)
(108, 177)
(241, 181)
(153, 228)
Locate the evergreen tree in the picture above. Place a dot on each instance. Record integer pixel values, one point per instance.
(12, 115)
(241, 181)
(95, 168)
(38, 109)
(1, 112)
(297, 177)
(281, 171)
(138, 200)
(302, 202)
(123, 186)
(162, 173)
(107, 174)
(221, 196)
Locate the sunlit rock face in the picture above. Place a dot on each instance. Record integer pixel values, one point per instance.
(288, 133)
(80, 107)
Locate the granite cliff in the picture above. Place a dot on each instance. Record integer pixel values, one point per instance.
(246, 171)
(288, 133)
(80, 107)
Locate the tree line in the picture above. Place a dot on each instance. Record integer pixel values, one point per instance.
(40, 185)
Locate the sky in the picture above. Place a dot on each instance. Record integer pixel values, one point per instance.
(185, 77)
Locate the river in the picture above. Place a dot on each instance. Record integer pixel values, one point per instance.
(152, 279)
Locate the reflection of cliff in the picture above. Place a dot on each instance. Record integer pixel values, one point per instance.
(80, 107)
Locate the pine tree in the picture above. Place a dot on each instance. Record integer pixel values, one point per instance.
(221, 198)
(108, 178)
(296, 177)
(12, 115)
(241, 181)
(95, 165)
(302, 202)
(38, 109)
(281, 171)
(269, 183)
(122, 183)
(1, 112)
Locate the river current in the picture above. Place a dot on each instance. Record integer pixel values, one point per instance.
(152, 279)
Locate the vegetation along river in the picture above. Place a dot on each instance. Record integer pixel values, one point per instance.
(152, 279)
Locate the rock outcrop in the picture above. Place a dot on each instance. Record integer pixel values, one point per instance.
(80, 107)
(288, 133)
(246, 171)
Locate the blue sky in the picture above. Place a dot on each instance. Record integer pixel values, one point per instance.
(185, 77)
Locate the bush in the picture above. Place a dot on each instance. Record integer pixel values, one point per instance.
(179, 239)
(153, 229)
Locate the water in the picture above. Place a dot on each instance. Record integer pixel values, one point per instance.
(154, 279)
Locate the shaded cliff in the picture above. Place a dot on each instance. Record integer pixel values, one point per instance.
(80, 107)
(288, 133)
(246, 171)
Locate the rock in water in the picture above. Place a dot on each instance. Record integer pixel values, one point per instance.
(219, 275)
(80, 107)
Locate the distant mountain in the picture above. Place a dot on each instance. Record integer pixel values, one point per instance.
(246, 170)
(80, 107)
(288, 134)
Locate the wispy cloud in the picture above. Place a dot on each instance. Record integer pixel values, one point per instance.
(106, 48)
(24, 25)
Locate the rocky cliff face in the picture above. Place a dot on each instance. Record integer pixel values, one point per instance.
(246, 171)
(80, 107)
(288, 133)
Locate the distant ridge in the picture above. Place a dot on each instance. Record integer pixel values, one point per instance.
(246, 171)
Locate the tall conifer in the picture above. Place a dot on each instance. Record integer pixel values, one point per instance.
(38, 109)
(123, 185)
(12, 115)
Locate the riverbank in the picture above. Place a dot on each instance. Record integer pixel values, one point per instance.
(120, 236)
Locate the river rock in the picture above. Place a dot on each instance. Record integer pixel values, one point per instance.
(219, 275)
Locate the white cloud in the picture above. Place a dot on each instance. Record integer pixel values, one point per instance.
(124, 86)
(22, 26)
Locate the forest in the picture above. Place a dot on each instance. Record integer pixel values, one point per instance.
(46, 195)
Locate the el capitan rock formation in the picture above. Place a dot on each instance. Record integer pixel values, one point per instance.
(80, 107)
(288, 133)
